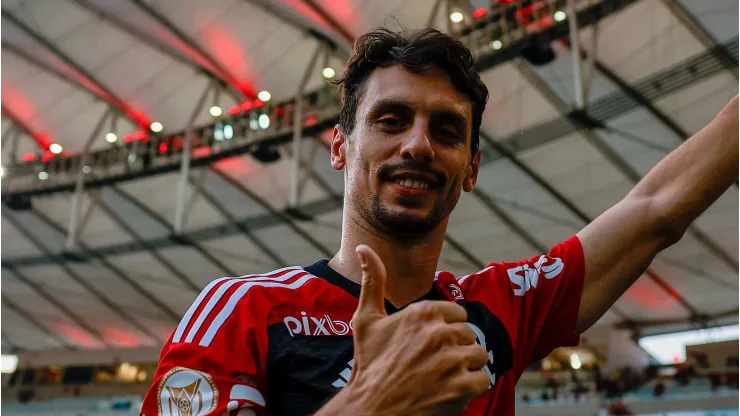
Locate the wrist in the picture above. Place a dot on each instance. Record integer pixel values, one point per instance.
(354, 399)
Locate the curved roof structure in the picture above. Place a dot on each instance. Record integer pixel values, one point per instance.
(117, 263)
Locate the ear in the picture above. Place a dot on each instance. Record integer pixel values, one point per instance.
(472, 177)
(338, 148)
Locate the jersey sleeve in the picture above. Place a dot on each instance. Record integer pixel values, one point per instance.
(214, 361)
(538, 299)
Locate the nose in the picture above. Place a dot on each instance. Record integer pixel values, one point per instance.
(417, 144)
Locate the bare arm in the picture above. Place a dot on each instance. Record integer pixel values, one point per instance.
(622, 242)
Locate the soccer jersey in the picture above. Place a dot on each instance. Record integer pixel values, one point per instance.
(280, 343)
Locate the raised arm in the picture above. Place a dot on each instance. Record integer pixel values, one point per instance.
(621, 243)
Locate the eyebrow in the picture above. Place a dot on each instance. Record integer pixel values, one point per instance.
(394, 104)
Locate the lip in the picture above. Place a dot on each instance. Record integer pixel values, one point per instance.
(419, 176)
(407, 191)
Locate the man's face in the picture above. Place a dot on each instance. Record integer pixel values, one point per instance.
(409, 156)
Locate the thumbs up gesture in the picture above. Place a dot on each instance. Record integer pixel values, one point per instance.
(422, 360)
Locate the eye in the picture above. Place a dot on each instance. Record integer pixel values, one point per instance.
(390, 121)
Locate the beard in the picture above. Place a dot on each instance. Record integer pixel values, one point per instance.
(412, 225)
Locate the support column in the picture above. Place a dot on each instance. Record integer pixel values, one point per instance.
(80, 183)
(576, 57)
(185, 164)
(298, 130)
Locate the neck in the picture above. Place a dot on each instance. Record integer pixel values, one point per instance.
(410, 263)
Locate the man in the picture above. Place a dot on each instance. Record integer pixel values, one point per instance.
(375, 330)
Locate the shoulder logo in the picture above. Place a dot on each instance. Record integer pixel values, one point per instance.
(527, 276)
(186, 392)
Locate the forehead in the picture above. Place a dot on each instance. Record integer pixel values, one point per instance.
(429, 90)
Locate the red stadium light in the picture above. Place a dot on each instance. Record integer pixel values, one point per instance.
(234, 110)
(46, 156)
(258, 103)
(29, 157)
(246, 106)
(140, 135)
(479, 12)
(128, 138)
(163, 148)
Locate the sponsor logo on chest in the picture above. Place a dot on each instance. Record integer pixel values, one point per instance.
(316, 325)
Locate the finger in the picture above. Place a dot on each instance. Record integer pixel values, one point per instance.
(474, 355)
(462, 333)
(450, 312)
(471, 383)
(372, 293)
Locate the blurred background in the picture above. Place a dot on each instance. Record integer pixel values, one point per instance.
(150, 146)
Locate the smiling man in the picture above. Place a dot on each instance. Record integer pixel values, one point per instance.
(377, 330)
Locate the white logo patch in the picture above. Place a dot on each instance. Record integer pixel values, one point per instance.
(526, 277)
(186, 392)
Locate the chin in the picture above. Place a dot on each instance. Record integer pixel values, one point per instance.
(406, 221)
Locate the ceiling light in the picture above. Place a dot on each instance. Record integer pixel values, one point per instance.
(264, 121)
(2, 171)
(559, 16)
(55, 148)
(86, 169)
(111, 137)
(496, 44)
(215, 111)
(264, 96)
(156, 126)
(328, 72)
(456, 17)
(228, 132)
(43, 175)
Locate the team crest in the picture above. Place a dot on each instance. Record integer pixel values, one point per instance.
(186, 392)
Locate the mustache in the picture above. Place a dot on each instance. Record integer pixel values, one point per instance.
(386, 171)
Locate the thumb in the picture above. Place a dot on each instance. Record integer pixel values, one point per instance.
(372, 294)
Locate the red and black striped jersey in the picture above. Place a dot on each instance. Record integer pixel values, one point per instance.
(281, 342)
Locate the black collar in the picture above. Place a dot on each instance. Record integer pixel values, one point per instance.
(321, 269)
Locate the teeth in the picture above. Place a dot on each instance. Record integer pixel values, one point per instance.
(411, 183)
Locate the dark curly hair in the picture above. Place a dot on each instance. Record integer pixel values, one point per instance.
(418, 51)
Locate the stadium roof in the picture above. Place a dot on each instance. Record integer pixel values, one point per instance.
(72, 70)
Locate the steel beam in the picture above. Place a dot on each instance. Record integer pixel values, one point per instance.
(147, 246)
(73, 316)
(158, 45)
(78, 279)
(185, 163)
(35, 322)
(576, 58)
(692, 24)
(302, 23)
(251, 236)
(331, 21)
(80, 183)
(12, 347)
(181, 238)
(103, 91)
(280, 216)
(41, 140)
(215, 65)
(614, 158)
(166, 310)
(609, 154)
(298, 130)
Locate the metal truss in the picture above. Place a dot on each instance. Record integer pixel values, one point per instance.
(6, 302)
(116, 271)
(157, 44)
(99, 88)
(303, 24)
(331, 21)
(40, 140)
(692, 24)
(216, 66)
(610, 155)
(104, 299)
